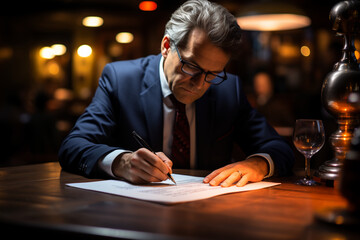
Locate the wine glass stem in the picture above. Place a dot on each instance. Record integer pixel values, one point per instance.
(307, 168)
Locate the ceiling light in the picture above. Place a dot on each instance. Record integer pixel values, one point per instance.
(273, 22)
(124, 37)
(84, 51)
(58, 49)
(92, 21)
(47, 53)
(272, 16)
(148, 6)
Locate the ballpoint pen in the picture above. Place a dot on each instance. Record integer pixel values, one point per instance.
(144, 144)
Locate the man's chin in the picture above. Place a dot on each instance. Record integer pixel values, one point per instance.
(187, 99)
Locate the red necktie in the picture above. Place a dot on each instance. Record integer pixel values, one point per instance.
(180, 150)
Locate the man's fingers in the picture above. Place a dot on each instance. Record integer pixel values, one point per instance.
(138, 176)
(157, 160)
(147, 171)
(243, 181)
(234, 177)
(146, 165)
(165, 160)
(212, 175)
(216, 181)
(227, 177)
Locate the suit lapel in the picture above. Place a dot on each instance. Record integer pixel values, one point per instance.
(151, 100)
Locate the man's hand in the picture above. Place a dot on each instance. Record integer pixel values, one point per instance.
(142, 166)
(253, 169)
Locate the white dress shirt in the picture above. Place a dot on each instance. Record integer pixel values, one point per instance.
(169, 116)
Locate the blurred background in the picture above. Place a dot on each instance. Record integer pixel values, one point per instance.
(51, 57)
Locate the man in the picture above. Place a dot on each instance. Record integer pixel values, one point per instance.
(142, 95)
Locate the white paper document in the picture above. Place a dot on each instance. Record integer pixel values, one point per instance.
(188, 188)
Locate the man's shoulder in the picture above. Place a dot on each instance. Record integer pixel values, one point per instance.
(231, 83)
(228, 92)
(130, 74)
(138, 64)
(231, 77)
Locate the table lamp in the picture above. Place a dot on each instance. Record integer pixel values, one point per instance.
(341, 88)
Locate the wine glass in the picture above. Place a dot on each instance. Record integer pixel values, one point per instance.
(308, 138)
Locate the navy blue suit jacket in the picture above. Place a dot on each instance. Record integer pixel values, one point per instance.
(129, 98)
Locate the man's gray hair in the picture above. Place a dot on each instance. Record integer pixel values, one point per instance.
(220, 25)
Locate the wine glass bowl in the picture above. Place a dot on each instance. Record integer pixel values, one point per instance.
(308, 138)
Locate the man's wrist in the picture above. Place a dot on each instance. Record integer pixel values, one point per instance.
(119, 163)
(268, 160)
(106, 163)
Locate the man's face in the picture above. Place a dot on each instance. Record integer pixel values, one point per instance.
(199, 51)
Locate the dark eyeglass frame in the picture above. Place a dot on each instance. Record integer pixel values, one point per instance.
(201, 71)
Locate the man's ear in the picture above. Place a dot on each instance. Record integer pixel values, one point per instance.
(165, 46)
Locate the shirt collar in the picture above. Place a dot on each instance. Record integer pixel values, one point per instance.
(163, 81)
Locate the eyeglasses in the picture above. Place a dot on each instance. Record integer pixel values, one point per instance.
(194, 70)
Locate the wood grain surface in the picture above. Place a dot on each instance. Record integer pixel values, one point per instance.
(34, 202)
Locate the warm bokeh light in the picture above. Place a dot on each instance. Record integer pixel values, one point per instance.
(47, 53)
(84, 51)
(115, 49)
(273, 22)
(58, 49)
(357, 55)
(92, 21)
(305, 51)
(63, 94)
(288, 51)
(357, 47)
(53, 67)
(6, 52)
(51, 52)
(124, 37)
(148, 6)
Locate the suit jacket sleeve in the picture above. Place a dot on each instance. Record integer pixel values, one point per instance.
(91, 138)
(128, 98)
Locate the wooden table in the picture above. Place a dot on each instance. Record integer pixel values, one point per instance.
(34, 202)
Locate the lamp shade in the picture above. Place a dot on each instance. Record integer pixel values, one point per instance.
(272, 16)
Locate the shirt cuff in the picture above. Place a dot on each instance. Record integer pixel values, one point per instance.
(268, 159)
(105, 164)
